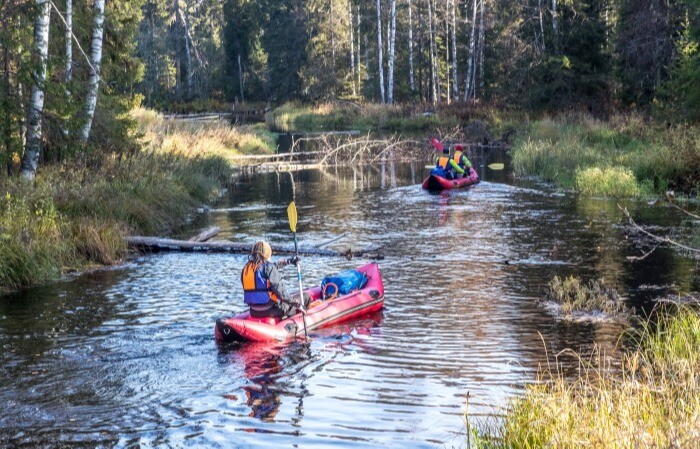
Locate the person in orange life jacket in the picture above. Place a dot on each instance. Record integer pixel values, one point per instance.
(262, 287)
(462, 160)
(448, 164)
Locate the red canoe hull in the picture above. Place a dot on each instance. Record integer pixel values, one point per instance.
(433, 182)
(321, 313)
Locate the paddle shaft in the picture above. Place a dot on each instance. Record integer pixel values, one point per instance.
(301, 288)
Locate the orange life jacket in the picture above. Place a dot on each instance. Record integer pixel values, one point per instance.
(444, 162)
(256, 288)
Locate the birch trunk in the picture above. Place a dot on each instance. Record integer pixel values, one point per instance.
(96, 60)
(411, 81)
(470, 58)
(188, 53)
(455, 85)
(391, 52)
(447, 58)
(352, 51)
(555, 26)
(380, 57)
(69, 55)
(433, 87)
(30, 158)
(69, 43)
(7, 130)
(359, 50)
(481, 49)
(240, 77)
(539, 9)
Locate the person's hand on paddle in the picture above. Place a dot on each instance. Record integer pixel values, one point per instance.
(294, 260)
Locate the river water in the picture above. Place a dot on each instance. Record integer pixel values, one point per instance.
(126, 357)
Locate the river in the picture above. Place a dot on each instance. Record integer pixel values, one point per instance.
(125, 357)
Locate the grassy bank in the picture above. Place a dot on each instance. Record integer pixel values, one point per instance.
(345, 116)
(653, 402)
(77, 214)
(626, 156)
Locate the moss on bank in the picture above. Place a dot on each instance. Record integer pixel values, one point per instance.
(627, 156)
(76, 215)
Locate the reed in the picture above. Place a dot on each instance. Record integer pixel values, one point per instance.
(652, 401)
(626, 156)
(574, 295)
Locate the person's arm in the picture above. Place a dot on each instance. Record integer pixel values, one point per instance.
(456, 166)
(467, 162)
(273, 275)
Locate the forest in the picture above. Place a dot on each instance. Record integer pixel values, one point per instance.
(72, 70)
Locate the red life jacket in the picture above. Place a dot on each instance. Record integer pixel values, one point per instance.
(256, 288)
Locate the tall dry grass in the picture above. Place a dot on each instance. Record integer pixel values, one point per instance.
(627, 156)
(653, 401)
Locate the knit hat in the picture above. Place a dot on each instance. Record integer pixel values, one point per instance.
(459, 148)
(262, 248)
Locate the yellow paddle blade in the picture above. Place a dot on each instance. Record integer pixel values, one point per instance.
(497, 166)
(292, 214)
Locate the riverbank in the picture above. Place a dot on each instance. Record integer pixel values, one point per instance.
(626, 156)
(377, 117)
(652, 400)
(78, 213)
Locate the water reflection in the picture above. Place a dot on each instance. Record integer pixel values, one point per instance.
(127, 357)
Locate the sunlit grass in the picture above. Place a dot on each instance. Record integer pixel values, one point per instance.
(78, 215)
(624, 157)
(329, 117)
(574, 295)
(653, 401)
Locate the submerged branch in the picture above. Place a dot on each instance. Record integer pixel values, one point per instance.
(654, 236)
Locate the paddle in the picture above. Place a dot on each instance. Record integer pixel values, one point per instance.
(436, 143)
(496, 166)
(292, 215)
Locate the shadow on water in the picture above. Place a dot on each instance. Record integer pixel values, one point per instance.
(127, 358)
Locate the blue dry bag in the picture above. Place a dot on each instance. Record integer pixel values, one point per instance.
(346, 281)
(439, 171)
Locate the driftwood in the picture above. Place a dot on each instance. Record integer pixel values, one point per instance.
(205, 235)
(156, 244)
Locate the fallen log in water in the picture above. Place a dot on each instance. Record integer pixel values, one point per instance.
(205, 235)
(157, 244)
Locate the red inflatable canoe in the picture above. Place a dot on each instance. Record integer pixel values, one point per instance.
(433, 182)
(321, 313)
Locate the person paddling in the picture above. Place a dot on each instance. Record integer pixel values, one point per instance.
(448, 164)
(462, 160)
(262, 287)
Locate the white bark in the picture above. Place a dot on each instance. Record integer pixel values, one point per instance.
(30, 158)
(555, 26)
(69, 54)
(69, 43)
(392, 40)
(359, 50)
(240, 77)
(455, 85)
(96, 60)
(188, 54)
(481, 48)
(352, 51)
(380, 57)
(539, 8)
(470, 58)
(411, 79)
(447, 58)
(433, 75)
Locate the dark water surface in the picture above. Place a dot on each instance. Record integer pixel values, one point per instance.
(126, 357)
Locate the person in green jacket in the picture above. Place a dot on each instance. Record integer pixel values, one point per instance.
(448, 164)
(462, 160)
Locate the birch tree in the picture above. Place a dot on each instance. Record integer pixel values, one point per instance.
(392, 39)
(380, 57)
(352, 50)
(455, 85)
(30, 158)
(69, 54)
(95, 61)
(411, 81)
(433, 77)
(470, 58)
(481, 48)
